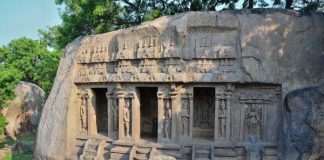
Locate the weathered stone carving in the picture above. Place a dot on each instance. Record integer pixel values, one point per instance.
(126, 117)
(223, 112)
(115, 114)
(222, 115)
(197, 58)
(185, 117)
(84, 110)
(253, 120)
(167, 120)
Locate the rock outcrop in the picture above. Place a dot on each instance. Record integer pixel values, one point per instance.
(271, 46)
(304, 127)
(23, 113)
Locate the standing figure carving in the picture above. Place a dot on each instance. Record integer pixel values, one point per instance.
(83, 110)
(185, 123)
(222, 118)
(126, 118)
(115, 114)
(253, 119)
(167, 120)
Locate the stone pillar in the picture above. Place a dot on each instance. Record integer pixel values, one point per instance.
(175, 112)
(121, 104)
(216, 126)
(92, 125)
(136, 125)
(110, 114)
(160, 96)
(228, 115)
(190, 114)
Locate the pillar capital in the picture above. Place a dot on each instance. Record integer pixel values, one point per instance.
(108, 95)
(120, 94)
(173, 95)
(190, 96)
(160, 94)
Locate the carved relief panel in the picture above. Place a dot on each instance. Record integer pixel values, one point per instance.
(161, 57)
(167, 118)
(223, 111)
(84, 97)
(257, 113)
(184, 116)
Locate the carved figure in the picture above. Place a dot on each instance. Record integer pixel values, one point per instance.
(222, 118)
(115, 115)
(152, 76)
(83, 109)
(171, 50)
(185, 123)
(253, 120)
(126, 118)
(204, 53)
(254, 150)
(167, 120)
(123, 54)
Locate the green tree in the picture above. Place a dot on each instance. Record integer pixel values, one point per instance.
(26, 60)
(83, 17)
(311, 5)
(86, 17)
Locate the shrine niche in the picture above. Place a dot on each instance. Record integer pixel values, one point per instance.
(254, 106)
(149, 113)
(101, 110)
(204, 113)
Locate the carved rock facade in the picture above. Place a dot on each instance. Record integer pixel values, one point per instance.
(196, 85)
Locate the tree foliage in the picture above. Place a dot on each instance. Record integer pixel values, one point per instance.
(25, 60)
(86, 17)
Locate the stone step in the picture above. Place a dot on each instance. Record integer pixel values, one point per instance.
(202, 151)
(140, 157)
(88, 158)
(92, 146)
(143, 150)
(202, 156)
(91, 153)
(79, 143)
(94, 141)
(202, 159)
(173, 154)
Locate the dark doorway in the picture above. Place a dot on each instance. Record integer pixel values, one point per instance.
(204, 113)
(101, 110)
(149, 112)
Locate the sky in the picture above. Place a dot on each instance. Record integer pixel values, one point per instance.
(20, 18)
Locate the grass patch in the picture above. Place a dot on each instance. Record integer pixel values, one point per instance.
(18, 156)
(28, 137)
(27, 153)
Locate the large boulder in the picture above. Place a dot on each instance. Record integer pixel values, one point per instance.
(23, 113)
(272, 46)
(304, 127)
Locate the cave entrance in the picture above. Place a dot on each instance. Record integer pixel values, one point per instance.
(101, 110)
(204, 113)
(149, 113)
